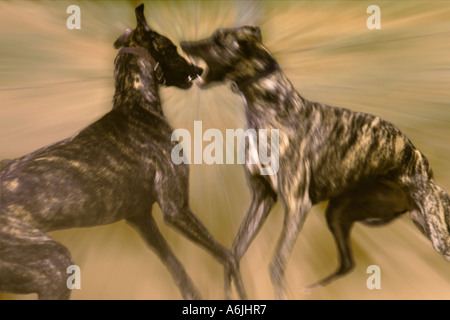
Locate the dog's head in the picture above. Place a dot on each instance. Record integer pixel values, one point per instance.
(235, 54)
(174, 68)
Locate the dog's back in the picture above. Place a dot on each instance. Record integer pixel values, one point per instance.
(108, 169)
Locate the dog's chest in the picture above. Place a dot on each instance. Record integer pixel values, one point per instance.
(256, 168)
(262, 159)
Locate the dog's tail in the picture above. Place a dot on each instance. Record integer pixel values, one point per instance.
(436, 211)
(443, 210)
(432, 203)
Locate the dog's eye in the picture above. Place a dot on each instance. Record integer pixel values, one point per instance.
(166, 50)
(172, 51)
(243, 43)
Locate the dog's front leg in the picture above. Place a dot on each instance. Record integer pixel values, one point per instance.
(263, 199)
(294, 195)
(182, 218)
(293, 222)
(145, 224)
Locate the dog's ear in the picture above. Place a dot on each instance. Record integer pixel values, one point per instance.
(253, 32)
(140, 18)
(247, 38)
(124, 39)
(256, 31)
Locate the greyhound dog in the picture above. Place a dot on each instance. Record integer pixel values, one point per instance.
(114, 169)
(325, 153)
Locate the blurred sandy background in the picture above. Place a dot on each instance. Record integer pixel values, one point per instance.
(55, 81)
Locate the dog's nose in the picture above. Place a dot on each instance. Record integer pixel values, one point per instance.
(198, 70)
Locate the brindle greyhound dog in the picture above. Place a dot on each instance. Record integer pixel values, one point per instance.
(325, 153)
(114, 169)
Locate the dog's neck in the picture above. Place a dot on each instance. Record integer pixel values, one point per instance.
(259, 72)
(137, 85)
(269, 85)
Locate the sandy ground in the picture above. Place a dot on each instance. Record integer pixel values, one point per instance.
(55, 81)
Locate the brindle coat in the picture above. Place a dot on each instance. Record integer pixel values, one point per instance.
(114, 169)
(325, 153)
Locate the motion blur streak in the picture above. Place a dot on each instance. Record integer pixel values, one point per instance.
(54, 81)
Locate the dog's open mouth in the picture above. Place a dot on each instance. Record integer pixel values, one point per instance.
(198, 76)
(196, 52)
(212, 71)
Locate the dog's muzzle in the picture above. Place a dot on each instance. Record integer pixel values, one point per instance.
(197, 71)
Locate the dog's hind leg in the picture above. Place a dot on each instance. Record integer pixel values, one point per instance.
(372, 203)
(340, 220)
(34, 263)
(263, 199)
(148, 229)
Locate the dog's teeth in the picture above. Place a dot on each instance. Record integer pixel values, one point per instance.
(200, 80)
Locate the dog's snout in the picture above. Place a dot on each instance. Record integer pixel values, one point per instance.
(194, 47)
(198, 70)
(184, 45)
